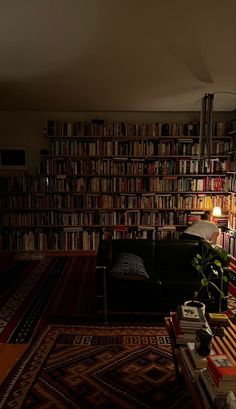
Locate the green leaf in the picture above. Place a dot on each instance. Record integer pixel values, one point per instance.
(217, 263)
(204, 282)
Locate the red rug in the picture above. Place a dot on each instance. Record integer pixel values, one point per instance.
(31, 292)
(75, 296)
(96, 367)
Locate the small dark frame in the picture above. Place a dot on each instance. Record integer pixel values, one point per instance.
(13, 158)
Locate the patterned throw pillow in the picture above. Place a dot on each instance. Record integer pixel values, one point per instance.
(129, 266)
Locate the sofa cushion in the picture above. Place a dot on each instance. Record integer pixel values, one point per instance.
(129, 266)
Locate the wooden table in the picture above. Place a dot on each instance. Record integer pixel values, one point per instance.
(224, 345)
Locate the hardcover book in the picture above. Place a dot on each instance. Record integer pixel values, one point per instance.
(221, 367)
(187, 313)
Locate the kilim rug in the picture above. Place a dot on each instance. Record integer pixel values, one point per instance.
(96, 367)
(31, 291)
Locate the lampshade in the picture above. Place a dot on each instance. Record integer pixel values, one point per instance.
(216, 211)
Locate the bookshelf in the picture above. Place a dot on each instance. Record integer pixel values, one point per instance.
(109, 180)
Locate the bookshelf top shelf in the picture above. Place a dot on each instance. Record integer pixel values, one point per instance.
(182, 138)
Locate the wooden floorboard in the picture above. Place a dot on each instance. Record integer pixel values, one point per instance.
(9, 355)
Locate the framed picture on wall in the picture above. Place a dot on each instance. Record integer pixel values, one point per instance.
(13, 157)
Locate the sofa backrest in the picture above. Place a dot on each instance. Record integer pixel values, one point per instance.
(177, 253)
(143, 248)
(153, 252)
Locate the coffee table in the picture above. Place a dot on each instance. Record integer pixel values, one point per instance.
(220, 345)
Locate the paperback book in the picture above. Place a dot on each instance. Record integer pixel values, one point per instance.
(199, 361)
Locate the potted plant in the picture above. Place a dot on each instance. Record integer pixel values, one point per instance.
(210, 265)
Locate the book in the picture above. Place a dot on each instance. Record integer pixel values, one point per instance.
(189, 364)
(218, 319)
(217, 316)
(188, 313)
(220, 387)
(221, 367)
(216, 397)
(199, 361)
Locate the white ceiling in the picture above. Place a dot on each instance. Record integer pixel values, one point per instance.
(117, 55)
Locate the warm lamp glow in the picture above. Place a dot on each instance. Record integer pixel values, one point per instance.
(216, 211)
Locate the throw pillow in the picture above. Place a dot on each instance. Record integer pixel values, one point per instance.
(129, 266)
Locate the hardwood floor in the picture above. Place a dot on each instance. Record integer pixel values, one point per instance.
(9, 355)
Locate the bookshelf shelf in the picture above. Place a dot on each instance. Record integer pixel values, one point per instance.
(115, 180)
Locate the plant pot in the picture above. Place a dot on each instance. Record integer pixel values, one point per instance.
(198, 304)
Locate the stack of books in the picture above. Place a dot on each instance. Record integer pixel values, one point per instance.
(198, 360)
(218, 378)
(185, 321)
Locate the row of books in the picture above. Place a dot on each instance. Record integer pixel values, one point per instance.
(104, 127)
(108, 217)
(12, 235)
(111, 217)
(76, 239)
(232, 219)
(74, 184)
(227, 239)
(145, 147)
(140, 232)
(131, 167)
(87, 201)
(131, 184)
(170, 184)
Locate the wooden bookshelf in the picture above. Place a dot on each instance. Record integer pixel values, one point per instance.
(114, 180)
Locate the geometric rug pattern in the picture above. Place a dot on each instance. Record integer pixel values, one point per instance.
(101, 367)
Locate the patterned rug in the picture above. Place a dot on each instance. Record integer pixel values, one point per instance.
(96, 367)
(31, 292)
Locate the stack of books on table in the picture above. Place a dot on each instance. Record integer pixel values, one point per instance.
(218, 379)
(192, 360)
(185, 321)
